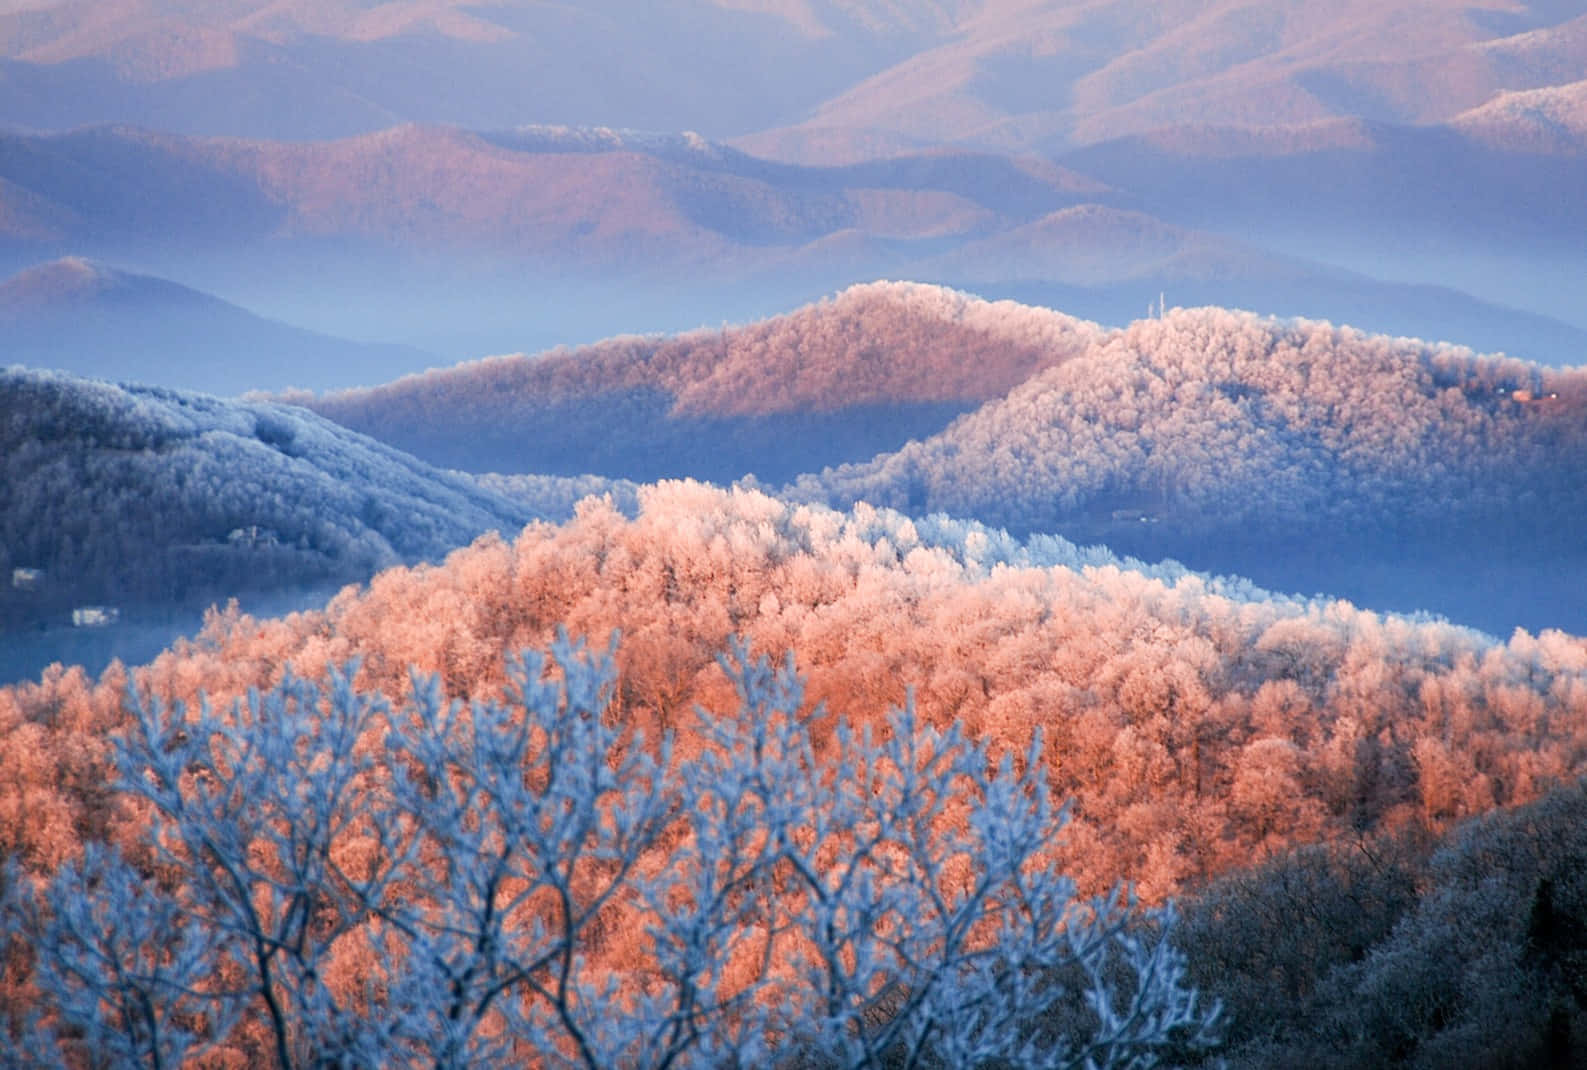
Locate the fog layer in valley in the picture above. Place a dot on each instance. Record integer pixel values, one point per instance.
(436, 240)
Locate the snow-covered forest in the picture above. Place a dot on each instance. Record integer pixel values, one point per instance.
(605, 617)
(840, 380)
(1196, 724)
(1274, 719)
(120, 491)
(533, 882)
(1219, 420)
(1315, 457)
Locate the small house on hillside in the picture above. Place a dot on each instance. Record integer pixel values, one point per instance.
(27, 579)
(253, 537)
(95, 616)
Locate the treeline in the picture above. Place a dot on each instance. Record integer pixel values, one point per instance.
(1196, 724)
(839, 380)
(556, 498)
(127, 493)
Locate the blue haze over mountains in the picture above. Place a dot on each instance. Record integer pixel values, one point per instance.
(244, 196)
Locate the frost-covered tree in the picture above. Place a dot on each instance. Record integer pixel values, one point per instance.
(337, 880)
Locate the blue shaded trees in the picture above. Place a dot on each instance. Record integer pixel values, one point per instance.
(334, 879)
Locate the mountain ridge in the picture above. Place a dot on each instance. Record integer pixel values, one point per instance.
(430, 220)
(82, 315)
(905, 355)
(998, 73)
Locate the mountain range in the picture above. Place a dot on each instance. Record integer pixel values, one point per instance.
(460, 243)
(1031, 75)
(829, 75)
(1307, 456)
(842, 379)
(995, 505)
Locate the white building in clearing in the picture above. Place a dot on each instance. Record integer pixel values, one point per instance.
(95, 616)
(27, 579)
(253, 537)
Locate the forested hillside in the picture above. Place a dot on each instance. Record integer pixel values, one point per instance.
(1195, 722)
(839, 380)
(1231, 440)
(127, 493)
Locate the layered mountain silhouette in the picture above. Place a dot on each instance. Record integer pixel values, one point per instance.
(469, 243)
(332, 69)
(85, 317)
(847, 75)
(838, 380)
(599, 197)
(1303, 455)
(1050, 77)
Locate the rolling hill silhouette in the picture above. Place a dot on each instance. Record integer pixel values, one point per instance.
(85, 317)
(840, 379)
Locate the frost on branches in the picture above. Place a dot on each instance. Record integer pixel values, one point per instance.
(332, 879)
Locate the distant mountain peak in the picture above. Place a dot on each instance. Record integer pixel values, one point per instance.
(1549, 120)
(70, 278)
